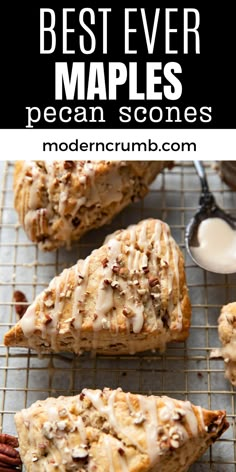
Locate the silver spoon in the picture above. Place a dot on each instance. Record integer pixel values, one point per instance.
(207, 209)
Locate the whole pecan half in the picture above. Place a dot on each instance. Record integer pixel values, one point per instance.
(8, 439)
(10, 460)
(21, 303)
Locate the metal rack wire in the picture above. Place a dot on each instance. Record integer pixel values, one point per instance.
(184, 371)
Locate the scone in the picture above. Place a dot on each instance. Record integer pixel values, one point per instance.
(228, 172)
(129, 295)
(113, 431)
(227, 335)
(58, 201)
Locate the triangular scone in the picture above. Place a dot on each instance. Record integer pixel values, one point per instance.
(59, 201)
(227, 335)
(129, 295)
(104, 431)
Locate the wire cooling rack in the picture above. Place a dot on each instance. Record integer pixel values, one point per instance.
(185, 371)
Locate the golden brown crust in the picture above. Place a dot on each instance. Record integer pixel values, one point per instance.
(227, 335)
(129, 295)
(228, 173)
(59, 201)
(112, 430)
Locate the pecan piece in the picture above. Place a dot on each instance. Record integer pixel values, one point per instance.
(65, 178)
(76, 221)
(21, 303)
(116, 269)
(124, 272)
(8, 439)
(153, 281)
(48, 319)
(69, 165)
(104, 262)
(121, 451)
(9, 458)
(128, 312)
(28, 173)
(107, 282)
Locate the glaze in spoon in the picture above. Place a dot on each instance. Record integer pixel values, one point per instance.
(210, 236)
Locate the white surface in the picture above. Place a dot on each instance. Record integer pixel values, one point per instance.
(28, 143)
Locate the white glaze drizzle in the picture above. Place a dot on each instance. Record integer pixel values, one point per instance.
(108, 448)
(81, 274)
(176, 272)
(123, 464)
(58, 412)
(148, 408)
(104, 301)
(53, 327)
(27, 322)
(137, 248)
(108, 410)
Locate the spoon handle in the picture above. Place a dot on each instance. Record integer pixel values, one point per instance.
(207, 200)
(202, 176)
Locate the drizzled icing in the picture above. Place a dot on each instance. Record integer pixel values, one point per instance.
(76, 195)
(79, 295)
(136, 271)
(51, 197)
(227, 334)
(105, 301)
(131, 420)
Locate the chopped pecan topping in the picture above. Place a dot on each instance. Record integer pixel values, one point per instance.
(49, 303)
(69, 165)
(121, 451)
(142, 291)
(116, 269)
(139, 418)
(21, 303)
(65, 178)
(107, 282)
(76, 221)
(79, 453)
(164, 264)
(124, 272)
(28, 173)
(105, 262)
(114, 284)
(48, 318)
(153, 281)
(178, 415)
(174, 443)
(128, 313)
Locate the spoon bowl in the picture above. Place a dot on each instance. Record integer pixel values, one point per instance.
(207, 209)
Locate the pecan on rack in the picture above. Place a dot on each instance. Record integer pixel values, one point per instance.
(10, 460)
(21, 303)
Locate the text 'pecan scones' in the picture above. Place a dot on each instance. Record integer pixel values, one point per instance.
(58, 201)
(104, 431)
(129, 295)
